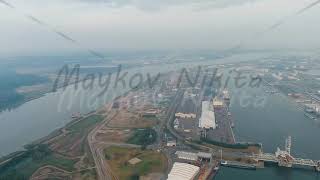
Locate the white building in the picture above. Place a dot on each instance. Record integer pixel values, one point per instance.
(187, 155)
(190, 156)
(207, 119)
(172, 143)
(313, 107)
(176, 124)
(185, 115)
(183, 171)
(217, 103)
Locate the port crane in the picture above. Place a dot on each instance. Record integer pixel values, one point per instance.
(284, 158)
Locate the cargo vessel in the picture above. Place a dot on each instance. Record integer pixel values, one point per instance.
(234, 164)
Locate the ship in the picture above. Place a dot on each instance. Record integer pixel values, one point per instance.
(234, 164)
(76, 115)
(312, 117)
(309, 116)
(226, 97)
(271, 91)
(214, 172)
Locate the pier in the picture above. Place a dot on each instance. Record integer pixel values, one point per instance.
(284, 158)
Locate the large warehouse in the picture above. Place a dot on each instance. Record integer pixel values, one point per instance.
(187, 109)
(207, 119)
(183, 171)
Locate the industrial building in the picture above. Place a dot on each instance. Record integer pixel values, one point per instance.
(187, 155)
(312, 108)
(204, 156)
(200, 156)
(171, 141)
(207, 119)
(183, 171)
(217, 103)
(187, 109)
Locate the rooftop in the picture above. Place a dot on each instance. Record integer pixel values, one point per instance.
(207, 119)
(183, 171)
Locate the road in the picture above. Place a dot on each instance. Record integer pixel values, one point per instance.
(103, 169)
(171, 113)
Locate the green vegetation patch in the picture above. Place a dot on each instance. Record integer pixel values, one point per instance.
(23, 166)
(85, 123)
(143, 137)
(10, 81)
(89, 174)
(151, 162)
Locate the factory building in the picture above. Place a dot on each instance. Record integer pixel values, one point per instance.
(312, 108)
(187, 155)
(190, 156)
(171, 141)
(183, 171)
(187, 109)
(217, 103)
(204, 156)
(207, 119)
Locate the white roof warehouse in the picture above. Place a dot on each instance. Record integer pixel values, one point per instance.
(207, 119)
(183, 171)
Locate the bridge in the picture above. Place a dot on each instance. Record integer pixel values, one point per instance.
(285, 159)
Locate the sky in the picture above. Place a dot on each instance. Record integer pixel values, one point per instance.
(37, 26)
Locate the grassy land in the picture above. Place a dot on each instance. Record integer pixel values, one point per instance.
(74, 142)
(152, 162)
(23, 167)
(37, 156)
(29, 166)
(88, 174)
(143, 137)
(10, 81)
(86, 123)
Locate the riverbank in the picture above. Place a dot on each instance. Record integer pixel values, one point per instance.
(64, 149)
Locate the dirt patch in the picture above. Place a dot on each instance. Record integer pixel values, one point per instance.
(153, 176)
(126, 119)
(151, 162)
(48, 172)
(72, 143)
(69, 145)
(112, 135)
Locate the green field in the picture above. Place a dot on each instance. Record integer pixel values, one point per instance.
(143, 137)
(24, 166)
(36, 156)
(10, 81)
(152, 162)
(85, 123)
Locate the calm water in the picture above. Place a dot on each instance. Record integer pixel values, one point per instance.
(271, 124)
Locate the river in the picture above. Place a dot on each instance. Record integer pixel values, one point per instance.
(37, 118)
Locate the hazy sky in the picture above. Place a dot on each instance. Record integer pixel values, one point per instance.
(156, 24)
